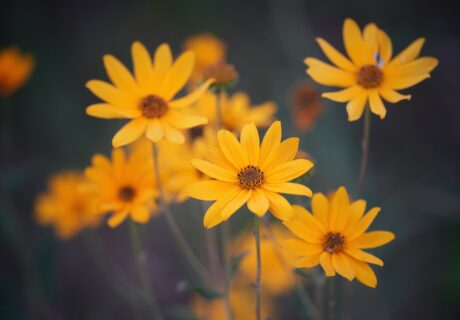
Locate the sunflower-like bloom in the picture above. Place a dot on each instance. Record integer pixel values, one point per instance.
(236, 110)
(335, 236)
(371, 73)
(15, 69)
(148, 98)
(68, 205)
(246, 172)
(125, 185)
(208, 50)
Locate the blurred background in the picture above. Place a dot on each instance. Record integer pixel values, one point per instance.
(414, 172)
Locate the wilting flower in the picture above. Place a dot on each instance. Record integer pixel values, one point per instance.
(277, 263)
(126, 184)
(208, 50)
(306, 105)
(15, 69)
(372, 73)
(236, 110)
(68, 204)
(335, 236)
(245, 172)
(148, 97)
(224, 74)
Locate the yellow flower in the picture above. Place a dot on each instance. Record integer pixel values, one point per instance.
(15, 69)
(244, 172)
(208, 50)
(236, 110)
(148, 97)
(125, 186)
(277, 263)
(67, 205)
(372, 73)
(335, 236)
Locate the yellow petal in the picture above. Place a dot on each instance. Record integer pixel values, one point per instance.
(285, 152)
(372, 239)
(289, 188)
(143, 69)
(308, 262)
(250, 143)
(107, 111)
(408, 54)
(215, 155)
(355, 213)
(354, 43)
(399, 83)
(301, 248)
(210, 190)
(232, 149)
(271, 141)
(258, 203)
(162, 63)
(110, 94)
(386, 47)
(178, 75)
(335, 56)
(305, 226)
(413, 68)
(392, 96)
(191, 97)
(288, 171)
(214, 171)
(235, 203)
(320, 208)
(184, 121)
(154, 130)
(140, 214)
(279, 206)
(339, 210)
(328, 75)
(376, 104)
(341, 265)
(364, 273)
(364, 223)
(172, 134)
(326, 263)
(344, 95)
(363, 256)
(130, 132)
(119, 163)
(116, 219)
(370, 38)
(213, 215)
(119, 75)
(356, 106)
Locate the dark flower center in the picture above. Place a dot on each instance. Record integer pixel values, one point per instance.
(126, 193)
(333, 242)
(153, 106)
(250, 177)
(370, 76)
(196, 132)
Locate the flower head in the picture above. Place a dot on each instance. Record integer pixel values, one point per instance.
(334, 235)
(370, 73)
(245, 172)
(15, 69)
(125, 185)
(306, 105)
(68, 204)
(148, 98)
(224, 74)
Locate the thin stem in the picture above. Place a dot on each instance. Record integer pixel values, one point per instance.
(211, 248)
(219, 96)
(331, 298)
(140, 259)
(259, 266)
(186, 250)
(365, 150)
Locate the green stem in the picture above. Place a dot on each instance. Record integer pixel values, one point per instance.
(140, 259)
(365, 150)
(183, 245)
(259, 267)
(331, 298)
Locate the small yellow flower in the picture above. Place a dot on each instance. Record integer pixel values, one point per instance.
(372, 73)
(148, 97)
(15, 69)
(277, 263)
(246, 172)
(208, 50)
(125, 186)
(335, 236)
(68, 205)
(236, 110)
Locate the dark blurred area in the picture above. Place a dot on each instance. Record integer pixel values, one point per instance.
(414, 171)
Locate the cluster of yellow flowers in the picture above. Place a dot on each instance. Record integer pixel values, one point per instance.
(206, 145)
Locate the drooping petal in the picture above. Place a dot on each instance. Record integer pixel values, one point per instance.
(172, 134)
(364, 256)
(232, 149)
(258, 203)
(372, 239)
(184, 121)
(342, 266)
(210, 189)
(279, 206)
(392, 96)
(235, 203)
(214, 171)
(140, 214)
(364, 273)
(308, 262)
(376, 104)
(178, 75)
(289, 188)
(119, 74)
(250, 143)
(271, 141)
(130, 132)
(326, 263)
(355, 107)
(328, 75)
(143, 69)
(344, 95)
(335, 56)
(213, 215)
(154, 130)
(191, 97)
(117, 218)
(301, 248)
(288, 171)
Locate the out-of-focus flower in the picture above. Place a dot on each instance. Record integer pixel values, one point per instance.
(148, 97)
(68, 204)
(277, 263)
(126, 184)
(371, 73)
(15, 69)
(236, 110)
(335, 236)
(208, 50)
(306, 105)
(303, 155)
(242, 302)
(224, 74)
(245, 172)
